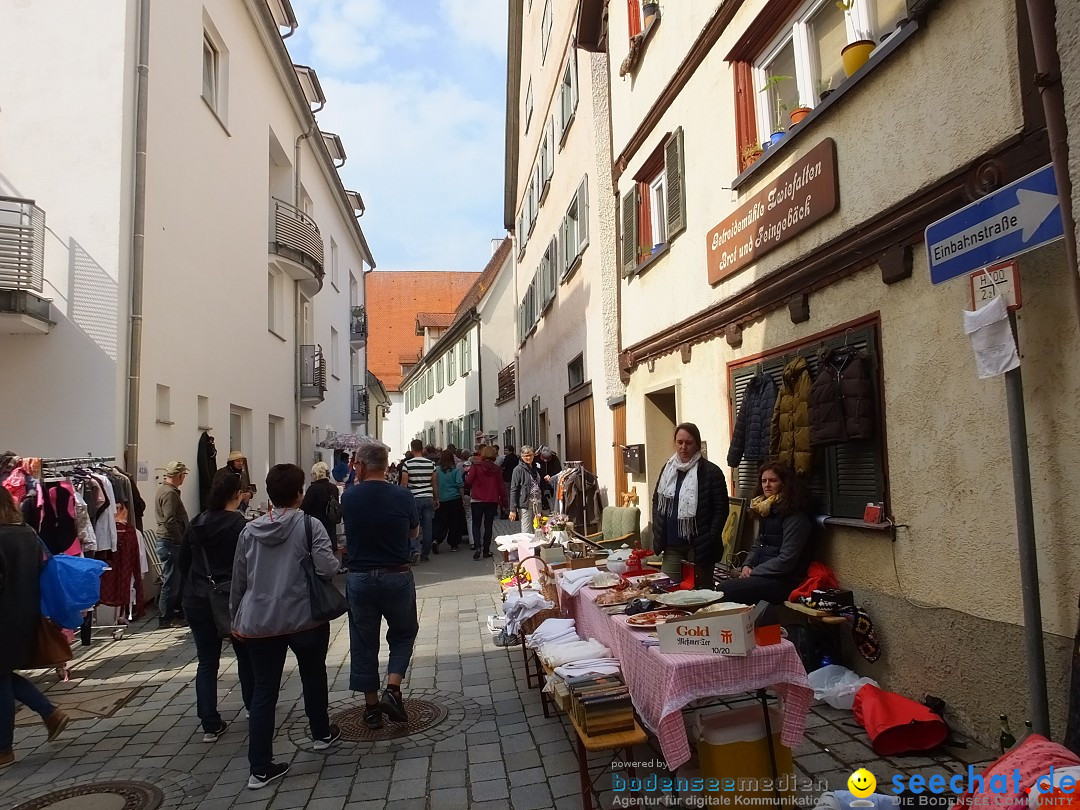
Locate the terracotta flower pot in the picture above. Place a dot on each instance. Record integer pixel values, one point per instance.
(855, 55)
(798, 114)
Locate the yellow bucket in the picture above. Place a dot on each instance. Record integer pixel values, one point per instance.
(733, 749)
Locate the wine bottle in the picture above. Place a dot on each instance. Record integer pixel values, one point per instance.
(1006, 740)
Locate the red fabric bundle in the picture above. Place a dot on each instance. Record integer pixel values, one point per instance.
(897, 724)
(819, 577)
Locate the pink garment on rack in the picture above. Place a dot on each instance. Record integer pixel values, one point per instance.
(15, 483)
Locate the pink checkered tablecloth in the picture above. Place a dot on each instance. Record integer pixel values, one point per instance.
(661, 684)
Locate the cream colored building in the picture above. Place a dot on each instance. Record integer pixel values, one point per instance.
(450, 395)
(195, 257)
(559, 207)
(717, 289)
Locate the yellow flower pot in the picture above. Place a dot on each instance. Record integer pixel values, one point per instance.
(855, 55)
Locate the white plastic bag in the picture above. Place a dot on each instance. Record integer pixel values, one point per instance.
(837, 685)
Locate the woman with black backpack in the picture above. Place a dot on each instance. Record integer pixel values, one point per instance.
(323, 501)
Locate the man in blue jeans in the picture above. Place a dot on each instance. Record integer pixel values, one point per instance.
(380, 523)
(418, 474)
(172, 523)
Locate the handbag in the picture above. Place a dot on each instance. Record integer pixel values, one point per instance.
(51, 647)
(219, 594)
(327, 602)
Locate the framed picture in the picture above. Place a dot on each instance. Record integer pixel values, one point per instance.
(734, 528)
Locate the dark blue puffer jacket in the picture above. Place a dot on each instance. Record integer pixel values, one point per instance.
(754, 422)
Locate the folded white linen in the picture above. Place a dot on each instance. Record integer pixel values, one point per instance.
(533, 643)
(518, 607)
(555, 655)
(594, 666)
(552, 630)
(574, 581)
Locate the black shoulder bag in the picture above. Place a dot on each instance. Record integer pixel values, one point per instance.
(219, 599)
(327, 602)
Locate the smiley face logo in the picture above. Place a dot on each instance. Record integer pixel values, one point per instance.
(861, 783)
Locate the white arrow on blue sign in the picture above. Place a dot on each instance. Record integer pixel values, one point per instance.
(1014, 219)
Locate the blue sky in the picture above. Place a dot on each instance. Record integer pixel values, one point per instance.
(416, 89)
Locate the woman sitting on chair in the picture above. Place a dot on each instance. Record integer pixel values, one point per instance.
(782, 553)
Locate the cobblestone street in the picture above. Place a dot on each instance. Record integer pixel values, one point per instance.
(493, 749)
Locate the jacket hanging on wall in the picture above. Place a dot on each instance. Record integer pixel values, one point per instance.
(206, 461)
(790, 440)
(750, 438)
(842, 398)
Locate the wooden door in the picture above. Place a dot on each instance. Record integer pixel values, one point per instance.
(580, 439)
(618, 418)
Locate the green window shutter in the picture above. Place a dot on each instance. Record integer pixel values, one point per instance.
(674, 187)
(583, 214)
(628, 260)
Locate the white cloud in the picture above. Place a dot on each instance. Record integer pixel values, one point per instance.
(350, 34)
(477, 22)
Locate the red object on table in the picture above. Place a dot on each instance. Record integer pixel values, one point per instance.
(661, 684)
(687, 583)
(633, 565)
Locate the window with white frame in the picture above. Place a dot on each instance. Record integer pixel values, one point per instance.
(451, 365)
(275, 303)
(803, 61)
(653, 211)
(658, 209)
(215, 70)
(545, 31)
(334, 263)
(439, 379)
(568, 96)
(545, 163)
(528, 106)
(335, 350)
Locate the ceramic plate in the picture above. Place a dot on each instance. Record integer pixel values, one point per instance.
(649, 620)
(688, 599)
(602, 581)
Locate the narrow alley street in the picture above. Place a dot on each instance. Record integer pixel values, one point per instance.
(489, 747)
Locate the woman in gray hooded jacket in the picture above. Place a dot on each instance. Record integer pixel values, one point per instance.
(271, 614)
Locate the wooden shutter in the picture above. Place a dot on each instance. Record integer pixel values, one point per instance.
(633, 16)
(549, 168)
(674, 187)
(628, 261)
(583, 214)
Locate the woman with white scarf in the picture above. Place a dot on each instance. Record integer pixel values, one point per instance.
(690, 508)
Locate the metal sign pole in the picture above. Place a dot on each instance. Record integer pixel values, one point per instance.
(1025, 534)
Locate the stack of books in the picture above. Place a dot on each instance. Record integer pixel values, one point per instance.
(601, 704)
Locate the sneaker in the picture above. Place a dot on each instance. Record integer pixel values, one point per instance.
(393, 705)
(322, 743)
(414, 558)
(271, 774)
(435, 549)
(373, 717)
(211, 736)
(56, 723)
(6, 758)
(476, 555)
(487, 554)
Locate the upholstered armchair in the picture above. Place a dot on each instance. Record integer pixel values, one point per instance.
(618, 525)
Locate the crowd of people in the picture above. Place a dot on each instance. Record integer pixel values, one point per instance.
(253, 579)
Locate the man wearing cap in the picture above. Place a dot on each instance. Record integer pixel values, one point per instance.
(172, 520)
(237, 463)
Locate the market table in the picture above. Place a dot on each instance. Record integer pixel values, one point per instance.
(661, 684)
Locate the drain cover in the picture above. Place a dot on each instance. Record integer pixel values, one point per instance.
(99, 796)
(423, 714)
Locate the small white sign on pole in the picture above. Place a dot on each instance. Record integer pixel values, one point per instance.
(997, 281)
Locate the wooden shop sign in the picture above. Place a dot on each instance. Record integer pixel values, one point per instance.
(801, 196)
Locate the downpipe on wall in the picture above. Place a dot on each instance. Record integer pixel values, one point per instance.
(138, 242)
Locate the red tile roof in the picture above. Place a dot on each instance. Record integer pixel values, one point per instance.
(433, 320)
(394, 299)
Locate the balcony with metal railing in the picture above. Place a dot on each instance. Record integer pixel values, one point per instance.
(295, 239)
(359, 408)
(23, 310)
(312, 374)
(358, 326)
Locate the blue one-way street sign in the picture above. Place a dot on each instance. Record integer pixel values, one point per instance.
(1015, 219)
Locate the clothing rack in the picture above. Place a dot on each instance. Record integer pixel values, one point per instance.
(89, 625)
(580, 465)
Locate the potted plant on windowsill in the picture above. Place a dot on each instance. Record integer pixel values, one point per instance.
(855, 54)
(799, 113)
(649, 12)
(778, 128)
(824, 89)
(750, 153)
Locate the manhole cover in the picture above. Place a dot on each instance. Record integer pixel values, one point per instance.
(423, 714)
(99, 796)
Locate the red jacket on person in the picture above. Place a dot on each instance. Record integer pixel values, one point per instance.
(485, 482)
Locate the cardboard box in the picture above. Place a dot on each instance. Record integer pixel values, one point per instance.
(730, 632)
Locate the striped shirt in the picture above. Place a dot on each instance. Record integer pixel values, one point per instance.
(420, 470)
